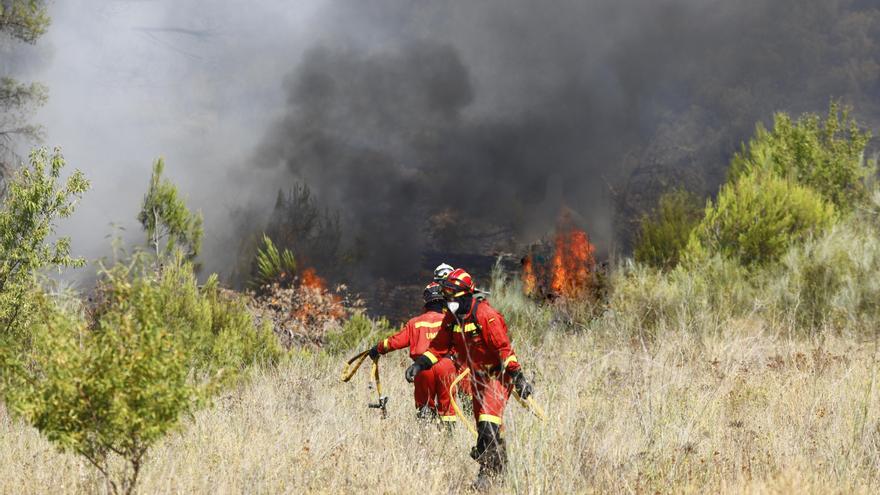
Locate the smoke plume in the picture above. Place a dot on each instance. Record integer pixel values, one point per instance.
(431, 125)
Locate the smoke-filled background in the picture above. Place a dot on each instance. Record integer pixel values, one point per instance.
(425, 127)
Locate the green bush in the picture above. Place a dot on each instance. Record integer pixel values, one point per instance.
(215, 326)
(273, 266)
(757, 218)
(664, 234)
(827, 156)
(109, 390)
(108, 381)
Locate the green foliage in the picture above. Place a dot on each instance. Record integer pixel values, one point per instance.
(215, 325)
(757, 218)
(154, 347)
(664, 234)
(827, 156)
(273, 266)
(35, 200)
(359, 331)
(25, 20)
(111, 389)
(164, 216)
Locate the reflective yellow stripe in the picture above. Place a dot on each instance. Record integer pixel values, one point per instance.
(420, 324)
(431, 357)
(385, 345)
(490, 418)
(491, 320)
(468, 327)
(510, 359)
(459, 294)
(450, 419)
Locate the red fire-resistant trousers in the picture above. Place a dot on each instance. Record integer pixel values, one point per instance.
(432, 388)
(490, 396)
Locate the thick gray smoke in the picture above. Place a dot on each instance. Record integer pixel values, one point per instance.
(402, 115)
(502, 111)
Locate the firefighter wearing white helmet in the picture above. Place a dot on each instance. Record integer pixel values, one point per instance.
(442, 271)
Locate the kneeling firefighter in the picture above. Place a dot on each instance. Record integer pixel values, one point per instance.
(477, 333)
(431, 384)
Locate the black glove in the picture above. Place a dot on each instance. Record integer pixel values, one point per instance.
(374, 352)
(520, 384)
(420, 364)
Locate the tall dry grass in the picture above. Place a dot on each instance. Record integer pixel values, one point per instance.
(747, 412)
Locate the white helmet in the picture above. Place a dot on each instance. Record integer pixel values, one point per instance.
(442, 271)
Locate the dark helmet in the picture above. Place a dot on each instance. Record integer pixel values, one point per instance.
(432, 293)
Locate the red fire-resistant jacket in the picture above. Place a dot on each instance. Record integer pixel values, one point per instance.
(483, 344)
(417, 334)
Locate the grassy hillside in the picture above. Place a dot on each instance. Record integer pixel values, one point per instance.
(749, 411)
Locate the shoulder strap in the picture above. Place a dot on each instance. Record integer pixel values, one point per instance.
(474, 319)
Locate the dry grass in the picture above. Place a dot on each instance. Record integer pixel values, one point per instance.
(746, 413)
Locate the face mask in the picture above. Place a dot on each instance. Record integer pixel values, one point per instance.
(453, 306)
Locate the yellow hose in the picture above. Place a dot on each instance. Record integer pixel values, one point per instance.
(452, 392)
(532, 406)
(350, 370)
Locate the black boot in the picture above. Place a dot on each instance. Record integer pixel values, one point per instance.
(491, 453)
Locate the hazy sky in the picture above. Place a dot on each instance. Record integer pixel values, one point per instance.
(133, 80)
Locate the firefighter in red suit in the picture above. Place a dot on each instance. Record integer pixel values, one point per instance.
(431, 385)
(477, 333)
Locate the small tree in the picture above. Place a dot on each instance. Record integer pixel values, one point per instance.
(154, 347)
(826, 155)
(165, 218)
(664, 234)
(35, 200)
(108, 391)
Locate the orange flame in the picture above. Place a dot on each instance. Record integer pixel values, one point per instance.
(529, 279)
(573, 263)
(310, 278)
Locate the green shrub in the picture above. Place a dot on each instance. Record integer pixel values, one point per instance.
(109, 390)
(757, 218)
(664, 234)
(216, 328)
(154, 346)
(827, 156)
(273, 266)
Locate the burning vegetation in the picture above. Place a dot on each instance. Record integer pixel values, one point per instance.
(303, 310)
(570, 273)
